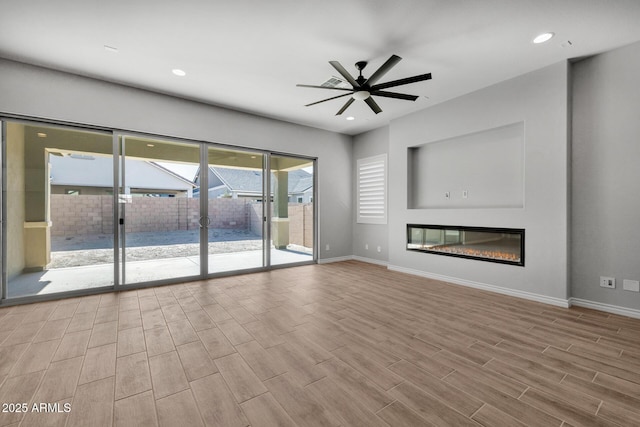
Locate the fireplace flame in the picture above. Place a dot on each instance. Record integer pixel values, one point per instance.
(480, 253)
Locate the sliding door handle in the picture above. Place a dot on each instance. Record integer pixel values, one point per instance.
(206, 224)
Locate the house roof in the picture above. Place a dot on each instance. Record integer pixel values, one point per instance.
(250, 181)
(97, 171)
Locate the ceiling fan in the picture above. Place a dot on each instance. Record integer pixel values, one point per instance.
(362, 88)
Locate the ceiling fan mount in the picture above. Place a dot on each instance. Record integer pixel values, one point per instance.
(363, 88)
(360, 65)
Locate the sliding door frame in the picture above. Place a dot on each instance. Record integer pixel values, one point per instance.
(4, 278)
(204, 220)
(120, 139)
(269, 208)
(118, 136)
(266, 211)
(116, 210)
(5, 119)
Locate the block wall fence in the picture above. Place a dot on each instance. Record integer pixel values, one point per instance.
(82, 215)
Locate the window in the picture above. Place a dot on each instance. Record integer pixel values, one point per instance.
(372, 190)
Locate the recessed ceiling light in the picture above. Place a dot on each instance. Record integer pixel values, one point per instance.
(41, 135)
(178, 72)
(150, 145)
(351, 118)
(543, 38)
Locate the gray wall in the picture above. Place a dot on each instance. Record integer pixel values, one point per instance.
(540, 100)
(38, 92)
(469, 163)
(370, 144)
(605, 220)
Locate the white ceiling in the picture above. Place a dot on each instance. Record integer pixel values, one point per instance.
(249, 54)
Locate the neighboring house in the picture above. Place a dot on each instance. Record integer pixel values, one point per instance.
(247, 183)
(81, 174)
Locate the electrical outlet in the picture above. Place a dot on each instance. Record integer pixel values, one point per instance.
(447, 195)
(379, 249)
(608, 282)
(465, 194)
(366, 247)
(326, 248)
(631, 285)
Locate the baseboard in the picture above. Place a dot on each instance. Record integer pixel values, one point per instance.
(369, 260)
(559, 302)
(609, 308)
(336, 259)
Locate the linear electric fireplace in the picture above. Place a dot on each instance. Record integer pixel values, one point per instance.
(503, 245)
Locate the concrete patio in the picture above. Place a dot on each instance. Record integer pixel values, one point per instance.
(86, 262)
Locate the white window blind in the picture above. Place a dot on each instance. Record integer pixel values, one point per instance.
(372, 190)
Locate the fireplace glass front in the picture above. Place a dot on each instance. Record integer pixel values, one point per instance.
(502, 245)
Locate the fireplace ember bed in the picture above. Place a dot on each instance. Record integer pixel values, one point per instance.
(502, 245)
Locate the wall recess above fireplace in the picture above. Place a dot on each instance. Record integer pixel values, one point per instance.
(480, 170)
(501, 245)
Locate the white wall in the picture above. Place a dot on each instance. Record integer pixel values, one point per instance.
(38, 92)
(540, 100)
(370, 144)
(605, 220)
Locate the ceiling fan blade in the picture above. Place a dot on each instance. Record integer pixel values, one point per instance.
(384, 68)
(395, 95)
(324, 87)
(344, 73)
(401, 82)
(373, 105)
(328, 99)
(345, 106)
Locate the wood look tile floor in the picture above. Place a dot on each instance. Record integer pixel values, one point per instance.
(325, 345)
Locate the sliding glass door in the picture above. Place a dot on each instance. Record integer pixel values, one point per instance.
(57, 209)
(292, 210)
(85, 209)
(159, 217)
(234, 192)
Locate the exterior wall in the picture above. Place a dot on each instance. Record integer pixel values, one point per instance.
(101, 191)
(84, 191)
(15, 199)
